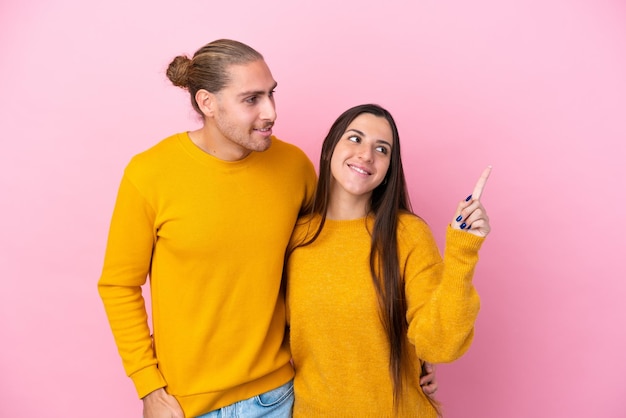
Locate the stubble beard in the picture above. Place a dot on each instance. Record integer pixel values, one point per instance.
(244, 138)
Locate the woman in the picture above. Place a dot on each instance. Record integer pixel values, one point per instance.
(369, 297)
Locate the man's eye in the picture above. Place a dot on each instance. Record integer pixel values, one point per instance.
(251, 99)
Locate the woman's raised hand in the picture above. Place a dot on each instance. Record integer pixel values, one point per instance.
(470, 214)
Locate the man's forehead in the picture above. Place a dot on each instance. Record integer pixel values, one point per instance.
(252, 76)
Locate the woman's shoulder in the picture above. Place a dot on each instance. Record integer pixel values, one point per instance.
(409, 222)
(412, 229)
(414, 234)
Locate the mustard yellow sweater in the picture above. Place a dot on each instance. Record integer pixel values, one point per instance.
(211, 235)
(339, 347)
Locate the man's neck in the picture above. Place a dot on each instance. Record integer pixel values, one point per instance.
(212, 142)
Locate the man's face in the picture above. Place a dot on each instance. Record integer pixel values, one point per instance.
(245, 111)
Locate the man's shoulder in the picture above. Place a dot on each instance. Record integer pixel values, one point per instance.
(160, 149)
(280, 146)
(289, 155)
(154, 159)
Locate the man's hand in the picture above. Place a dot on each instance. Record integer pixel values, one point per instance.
(160, 404)
(428, 381)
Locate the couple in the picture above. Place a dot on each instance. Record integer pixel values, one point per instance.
(215, 216)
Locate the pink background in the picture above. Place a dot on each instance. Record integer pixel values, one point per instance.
(535, 88)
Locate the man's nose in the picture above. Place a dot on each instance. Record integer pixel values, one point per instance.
(268, 111)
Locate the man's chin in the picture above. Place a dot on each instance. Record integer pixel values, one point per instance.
(262, 145)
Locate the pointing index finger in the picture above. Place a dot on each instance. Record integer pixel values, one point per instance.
(480, 184)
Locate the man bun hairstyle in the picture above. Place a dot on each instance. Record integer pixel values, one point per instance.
(208, 68)
(178, 71)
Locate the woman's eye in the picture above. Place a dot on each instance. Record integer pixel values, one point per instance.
(382, 149)
(354, 138)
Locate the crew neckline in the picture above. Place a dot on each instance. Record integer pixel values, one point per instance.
(199, 154)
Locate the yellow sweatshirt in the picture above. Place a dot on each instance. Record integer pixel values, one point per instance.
(339, 347)
(211, 235)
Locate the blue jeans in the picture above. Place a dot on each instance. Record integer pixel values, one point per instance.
(276, 403)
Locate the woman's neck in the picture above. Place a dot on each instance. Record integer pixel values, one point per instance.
(343, 207)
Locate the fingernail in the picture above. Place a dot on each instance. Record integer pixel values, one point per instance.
(468, 198)
(463, 225)
(458, 219)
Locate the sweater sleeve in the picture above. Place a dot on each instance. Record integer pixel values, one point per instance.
(442, 303)
(126, 267)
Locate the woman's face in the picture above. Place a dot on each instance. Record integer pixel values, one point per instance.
(361, 157)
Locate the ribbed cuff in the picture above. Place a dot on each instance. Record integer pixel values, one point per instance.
(148, 380)
(460, 240)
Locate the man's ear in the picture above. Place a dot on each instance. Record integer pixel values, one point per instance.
(206, 102)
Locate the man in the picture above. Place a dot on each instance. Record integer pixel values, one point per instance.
(207, 215)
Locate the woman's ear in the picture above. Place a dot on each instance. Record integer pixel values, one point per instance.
(206, 102)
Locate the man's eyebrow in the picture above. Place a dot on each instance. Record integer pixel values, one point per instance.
(257, 92)
(362, 134)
